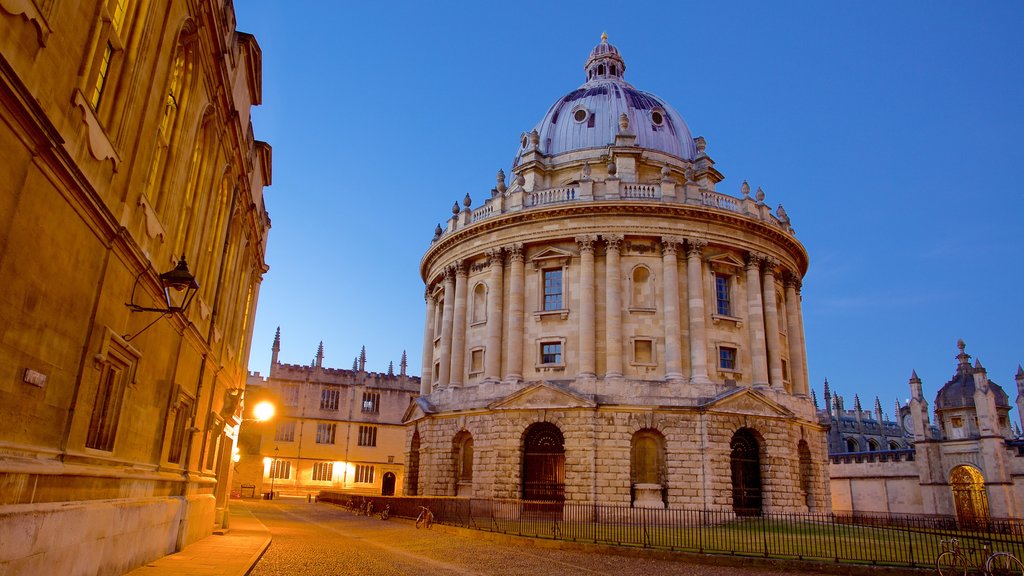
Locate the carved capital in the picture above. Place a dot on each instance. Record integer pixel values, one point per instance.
(515, 252)
(449, 274)
(586, 244)
(670, 244)
(695, 246)
(461, 270)
(769, 265)
(494, 256)
(753, 260)
(612, 242)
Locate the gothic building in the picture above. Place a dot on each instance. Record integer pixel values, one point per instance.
(610, 327)
(132, 251)
(852, 431)
(968, 463)
(335, 429)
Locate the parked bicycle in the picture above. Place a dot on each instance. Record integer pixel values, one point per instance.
(954, 560)
(369, 507)
(425, 519)
(386, 512)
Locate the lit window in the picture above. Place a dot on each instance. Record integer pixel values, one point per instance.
(285, 431)
(101, 76)
(325, 433)
(364, 474)
(371, 402)
(727, 358)
(551, 353)
(117, 16)
(367, 435)
(329, 398)
(722, 297)
(323, 471)
(281, 469)
(553, 289)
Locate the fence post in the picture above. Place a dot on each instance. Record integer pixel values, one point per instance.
(835, 544)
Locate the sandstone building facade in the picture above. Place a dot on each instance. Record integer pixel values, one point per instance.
(968, 463)
(609, 327)
(335, 429)
(128, 171)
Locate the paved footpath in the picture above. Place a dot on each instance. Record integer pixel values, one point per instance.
(321, 539)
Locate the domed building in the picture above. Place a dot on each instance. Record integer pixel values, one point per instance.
(608, 327)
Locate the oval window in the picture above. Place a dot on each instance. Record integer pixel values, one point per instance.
(579, 115)
(657, 118)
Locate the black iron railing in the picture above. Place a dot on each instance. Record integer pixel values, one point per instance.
(879, 539)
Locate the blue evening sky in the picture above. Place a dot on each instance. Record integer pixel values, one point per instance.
(891, 132)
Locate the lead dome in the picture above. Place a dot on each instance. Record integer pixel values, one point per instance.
(589, 116)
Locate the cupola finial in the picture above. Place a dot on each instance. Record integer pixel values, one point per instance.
(604, 37)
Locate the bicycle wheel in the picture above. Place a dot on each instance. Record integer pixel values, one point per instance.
(420, 521)
(950, 564)
(1004, 564)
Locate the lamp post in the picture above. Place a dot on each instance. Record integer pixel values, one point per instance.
(178, 279)
(273, 473)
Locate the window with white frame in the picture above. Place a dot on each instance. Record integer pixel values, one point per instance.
(551, 352)
(364, 474)
(329, 397)
(367, 435)
(727, 358)
(371, 402)
(723, 295)
(325, 432)
(281, 469)
(323, 471)
(553, 289)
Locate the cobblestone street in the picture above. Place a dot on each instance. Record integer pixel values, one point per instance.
(321, 539)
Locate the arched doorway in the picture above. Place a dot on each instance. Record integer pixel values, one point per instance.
(543, 463)
(746, 473)
(387, 485)
(969, 496)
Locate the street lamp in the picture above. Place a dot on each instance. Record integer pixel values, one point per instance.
(178, 279)
(263, 411)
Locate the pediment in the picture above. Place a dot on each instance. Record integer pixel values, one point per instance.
(726, 260)
(551, 257)
(417, 409)
(542, 395)
(747, 401)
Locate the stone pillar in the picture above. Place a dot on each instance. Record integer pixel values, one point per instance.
(771, 325)
(670, 305)
(794, 334)
(458, 369)
(613, 306)
(587, 340)
(755, 314)
(428, 343)
(695, 292)
(517, 290)
(492, 354)
(447, 312)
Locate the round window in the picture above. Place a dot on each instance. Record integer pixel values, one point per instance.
(657, 118)
(579, 115)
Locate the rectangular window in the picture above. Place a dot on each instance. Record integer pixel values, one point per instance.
(325, 432)
(181, 416)
(643, 351)
(101, 77)
(476, 361)
(290, 395)
(553, 289)
(281, 469)
(727, 358)
(722, 297)
(367, 435)
(550, 352)
(285, 431)
(213, 447)
(364, 474)
(323, 471)
(329, 397)
(785, 369)
(371, 402)
(106, 411)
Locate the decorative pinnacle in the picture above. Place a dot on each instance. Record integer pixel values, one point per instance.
(277, 340)
(467, 201)
(455, 208)
(1020, 373)
(760, 194)
(391, 368)
(745, 189)
(914, 377)
(604, 37)
(963, 357)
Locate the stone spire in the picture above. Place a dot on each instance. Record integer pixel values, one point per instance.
(963, 358)
(275, 350)
(404, 365)
(320, 355)
(828, 398)
(918, 410)
(1020, 394)
(355, 364)
(391, 368)
(362, 359)
(814, 398)
(878, 410)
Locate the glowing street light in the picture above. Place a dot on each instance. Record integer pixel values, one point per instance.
(263, 411)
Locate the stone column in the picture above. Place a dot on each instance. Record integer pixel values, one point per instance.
(428, 343)
(587, 340)
(755, 320)
(670, 305)
(771, 325)
(517, 290)
(695, 292)
(447, 311)
(794, 334)
(492, 354)
(458, 369)
(613, 306)
(802, 352)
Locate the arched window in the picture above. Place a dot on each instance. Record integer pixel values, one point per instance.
(479, 303)
(745, 462)
(462, 453)
(894, 445)
(647, 468)
(873, 445)
(969, 497)
(543, 463)
(806, 473)
(641, 289)
(851, 445)
(412, 474)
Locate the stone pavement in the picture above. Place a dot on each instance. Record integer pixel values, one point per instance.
(231, 553)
